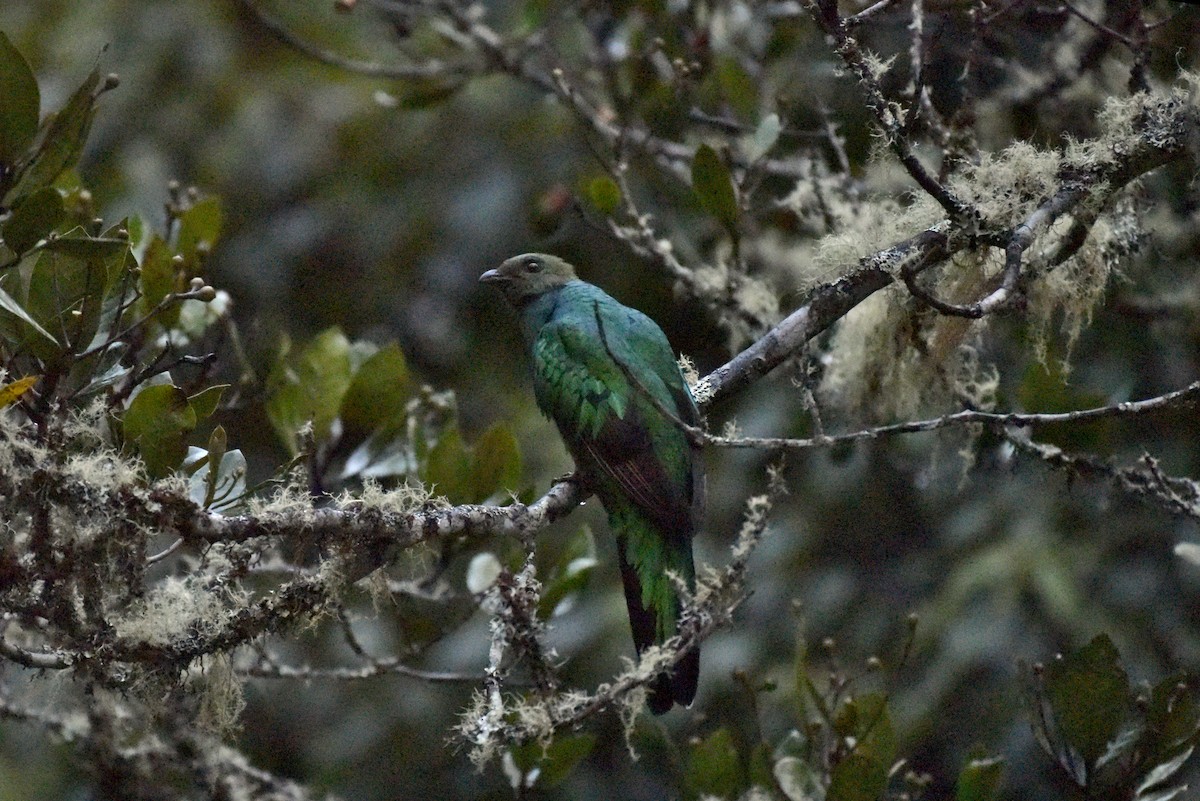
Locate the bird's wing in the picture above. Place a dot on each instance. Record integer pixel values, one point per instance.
(611, 424)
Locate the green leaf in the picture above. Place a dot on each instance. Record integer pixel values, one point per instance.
(447, 466)
(604, 194)
(9, 304)
(383, 454)
(422, 94)
(472, 475)
(136, 228)
(562, 756)
(980, 779)
(378, 394)
(738, 87)
(105, 379)
(845, 722)
(66, 295)
(217, 479)
(495, 464)
(1089, 694)
(157, 421)
(160, 276)
(713, 186)
(525, 757)
(218, 444)
(20, 103)
(571, 573)
(863, 774)
(1172, 718)
(64, 135)
(760, 767)
(309, 386)
(218, 441)
(858, 777)
(33, 218)
(1044, 388)
(204, 402)
(714, 767)
(199, 229)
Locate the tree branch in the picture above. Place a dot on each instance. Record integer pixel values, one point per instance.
(999, 421)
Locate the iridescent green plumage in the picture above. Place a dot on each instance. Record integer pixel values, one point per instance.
(605, 373)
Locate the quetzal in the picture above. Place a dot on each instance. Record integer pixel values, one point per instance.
(638, 460)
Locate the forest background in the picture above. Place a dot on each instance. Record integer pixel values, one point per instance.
(975, 207)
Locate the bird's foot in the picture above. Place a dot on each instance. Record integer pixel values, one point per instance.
(573, 478)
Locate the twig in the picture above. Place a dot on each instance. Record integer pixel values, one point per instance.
(1104, 29)
(1179, 496)
(825, 14)
(869, 12)
(427, 68)
(1187, 396)
(377, 667)
(719, 595)
(163, 554)
(40, 660)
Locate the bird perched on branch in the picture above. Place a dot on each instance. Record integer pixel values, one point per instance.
(606, 375)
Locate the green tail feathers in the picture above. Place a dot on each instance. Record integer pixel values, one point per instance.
(646, 554)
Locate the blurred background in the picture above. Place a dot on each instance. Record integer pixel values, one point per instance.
(374, 205)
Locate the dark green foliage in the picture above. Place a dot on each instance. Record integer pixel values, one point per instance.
(69, 316)
(490, 468)
(19, 104)
(862, 774)
(307, 386)
(567, 572)
(547, 767)
(158, 421)
(713, 185)
(35, 216)
(57, 146)
(378, 394)
(604, 194)
(980, 779)
(1112, 740)
(715, 767)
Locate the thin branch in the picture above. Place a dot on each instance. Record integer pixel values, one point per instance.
(40, 660)
(1091, 184)
(1179, 496)
(869, 12)
(1188, 396)
(166, 552)
(1104, 29)
(719, 594)
(427, 68)
(825, 14)
(378, 667)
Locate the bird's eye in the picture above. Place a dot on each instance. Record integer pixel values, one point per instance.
(533, 266)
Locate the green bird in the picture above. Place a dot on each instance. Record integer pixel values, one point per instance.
(606, 375)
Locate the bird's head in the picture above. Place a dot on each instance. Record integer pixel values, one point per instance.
(524, 277)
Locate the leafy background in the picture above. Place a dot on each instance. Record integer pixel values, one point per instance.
(374, 206)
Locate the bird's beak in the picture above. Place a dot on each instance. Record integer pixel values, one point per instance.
(492, 277)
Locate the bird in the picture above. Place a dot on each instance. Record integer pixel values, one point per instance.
(607, 377)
